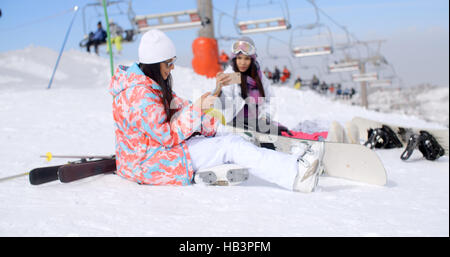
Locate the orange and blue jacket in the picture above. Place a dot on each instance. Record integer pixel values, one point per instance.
(149, 149)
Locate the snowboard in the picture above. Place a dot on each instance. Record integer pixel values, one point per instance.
(403, 133)
(349, 161)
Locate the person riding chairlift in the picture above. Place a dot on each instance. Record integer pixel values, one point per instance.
(116, 36)
(96, 38)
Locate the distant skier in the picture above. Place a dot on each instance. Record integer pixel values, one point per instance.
(276, 75)
(339, 90)
(223, 59)
(352, 92)
(315, 82)
(96, 38)
(331, 89)
(156, 130)
(298, 83)
(286, 75)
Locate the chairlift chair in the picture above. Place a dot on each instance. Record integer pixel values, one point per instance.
(263, 25)
(381, 83)
(266, 25)
(344, 66)
(311, 50)
(275, 57)
(169, 21)
(128, 34)
(305, 51)
(363, 77)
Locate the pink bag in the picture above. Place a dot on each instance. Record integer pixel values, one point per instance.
(301, 135)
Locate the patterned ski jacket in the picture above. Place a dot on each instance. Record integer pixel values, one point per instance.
(150, 150)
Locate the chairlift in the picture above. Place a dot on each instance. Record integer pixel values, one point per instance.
(365, 77)
(271, 56)
(305, 51)
(169, 21)
(381, 83)
(220, 35)
(311, 50)
(344, 66)
(387, 76)
(128, 34)
(263, 25)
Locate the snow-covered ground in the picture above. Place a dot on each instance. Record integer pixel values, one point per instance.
(74, 117)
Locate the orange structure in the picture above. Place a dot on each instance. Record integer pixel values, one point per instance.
(206, 57)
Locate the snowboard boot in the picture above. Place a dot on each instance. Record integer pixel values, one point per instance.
(383, 137)
(335, 133)
(413, 143)
(222, 175)
(309, 165)
(429, 146)
(426, 144)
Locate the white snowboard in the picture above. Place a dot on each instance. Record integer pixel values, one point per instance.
(349, 161)
(364, 125)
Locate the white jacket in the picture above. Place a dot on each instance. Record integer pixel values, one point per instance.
(233, 103)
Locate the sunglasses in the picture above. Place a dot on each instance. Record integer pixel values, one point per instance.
(171, 63)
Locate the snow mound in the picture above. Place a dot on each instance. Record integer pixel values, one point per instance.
(428, 102)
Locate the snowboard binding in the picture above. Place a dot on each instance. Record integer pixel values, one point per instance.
(383, 137)
(426, 144)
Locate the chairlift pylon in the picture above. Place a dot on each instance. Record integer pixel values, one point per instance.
(263, 25)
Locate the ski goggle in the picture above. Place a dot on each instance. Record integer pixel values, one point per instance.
(171, 63)
(243, 47)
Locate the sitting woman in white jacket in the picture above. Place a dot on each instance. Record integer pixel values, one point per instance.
(247, 104)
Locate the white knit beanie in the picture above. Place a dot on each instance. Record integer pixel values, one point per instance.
(155, 47)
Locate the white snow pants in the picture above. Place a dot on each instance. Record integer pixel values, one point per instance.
(270, 165)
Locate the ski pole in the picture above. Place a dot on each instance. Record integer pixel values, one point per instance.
(62, 48)
(14, 176)
(49, 156)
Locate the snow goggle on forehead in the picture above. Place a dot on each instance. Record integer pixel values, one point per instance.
(243, 47)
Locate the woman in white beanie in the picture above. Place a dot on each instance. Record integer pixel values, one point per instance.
(156, 130)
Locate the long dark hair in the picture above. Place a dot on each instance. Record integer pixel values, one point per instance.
(252, 71)
(153, 71)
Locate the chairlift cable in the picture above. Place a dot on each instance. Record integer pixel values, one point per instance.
(34, 22)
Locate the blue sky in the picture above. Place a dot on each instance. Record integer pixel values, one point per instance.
(416, 30)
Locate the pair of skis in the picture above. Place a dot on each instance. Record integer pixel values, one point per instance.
(86, 166)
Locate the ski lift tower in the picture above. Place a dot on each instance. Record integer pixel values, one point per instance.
(205, 47)
(363, 77)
